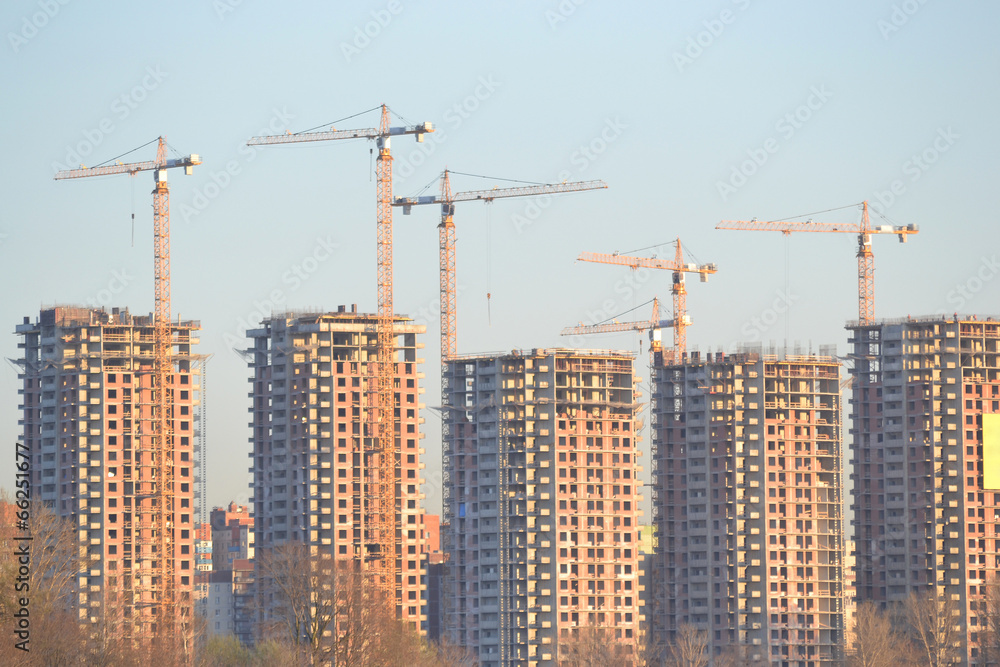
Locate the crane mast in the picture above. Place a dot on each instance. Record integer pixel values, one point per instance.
(866, 269)
(382, 459)
(866, 258)
(162, 398)
(378, 545)
(153, 479)
(679, 292)
(446, 268)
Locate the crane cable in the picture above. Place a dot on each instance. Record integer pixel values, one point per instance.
(125, 153)
(787, 260)
(407, 121)
(489, 262)
(426, 187)
(174, 150)
(132, 181)
(339, 120)
(615, 317)
(658, 245)
(804, 215)
(490, 178)
(496, 178)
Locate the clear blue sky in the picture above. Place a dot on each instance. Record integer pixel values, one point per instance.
(665, 101)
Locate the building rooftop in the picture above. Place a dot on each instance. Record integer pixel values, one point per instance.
(940, 317)
(545, 351)
(76, 315)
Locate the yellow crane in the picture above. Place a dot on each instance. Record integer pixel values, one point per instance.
(378, 543)
(448, 290)
(679, 267)
(153, 478)
(652, 325)
(866, 258)
(446, 238)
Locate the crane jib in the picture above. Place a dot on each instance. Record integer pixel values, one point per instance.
(329, 135)
(500, 193)
(130, 168)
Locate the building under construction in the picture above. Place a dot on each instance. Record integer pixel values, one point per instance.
(747, 505)
(541, 503)
(88, 414)
(309, 419)
(926, 456)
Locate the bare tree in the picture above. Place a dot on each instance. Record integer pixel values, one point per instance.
(54, 564)
(296, 599)
(108, 645)
(595, 647)
(59, 635)
(933, 627)
(451, 655)
(323, 608)
(647, 653)
(366, 629)
(55, 561)
(989, 625)
(227, 651)
(876, 643)
(689, 649)
(735, 655)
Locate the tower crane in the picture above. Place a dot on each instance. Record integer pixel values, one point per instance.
(155, 467)
(681, 320)
(446, 238)
(652, 324)
(378, 549)
(866, 259)
(448, 285)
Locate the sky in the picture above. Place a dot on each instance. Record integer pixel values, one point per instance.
(692, 112)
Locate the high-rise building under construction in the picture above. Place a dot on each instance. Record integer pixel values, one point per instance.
(541, 503)
(747, 505)
(925, 422)
(87, 414)
(310, 391)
